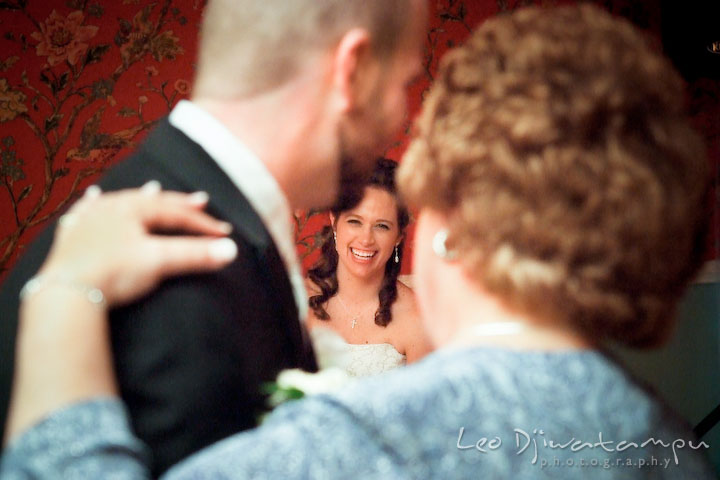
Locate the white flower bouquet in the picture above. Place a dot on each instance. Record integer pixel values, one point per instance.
(293, 384)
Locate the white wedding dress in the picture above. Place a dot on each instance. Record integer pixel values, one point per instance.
(362, 360)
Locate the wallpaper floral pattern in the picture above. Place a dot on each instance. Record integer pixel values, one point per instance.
(82, 81)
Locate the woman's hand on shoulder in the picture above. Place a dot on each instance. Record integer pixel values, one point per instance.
(111, 241)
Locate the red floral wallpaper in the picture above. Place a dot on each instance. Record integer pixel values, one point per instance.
(82, 81)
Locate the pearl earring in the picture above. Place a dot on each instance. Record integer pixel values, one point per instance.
(335, 236)
(438, 246)
(397, 259)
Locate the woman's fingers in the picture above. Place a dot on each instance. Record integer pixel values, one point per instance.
(111, 241)
(169, 212)
(180, 255)
(156, 258)
(158, 210)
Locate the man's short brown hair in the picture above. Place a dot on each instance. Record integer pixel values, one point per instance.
(250, 46)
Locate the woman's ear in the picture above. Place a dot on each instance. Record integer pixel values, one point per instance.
(333, 219)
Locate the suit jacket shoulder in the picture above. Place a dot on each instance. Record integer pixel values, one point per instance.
(191, 357)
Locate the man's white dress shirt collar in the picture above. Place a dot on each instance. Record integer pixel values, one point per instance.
(252, 178)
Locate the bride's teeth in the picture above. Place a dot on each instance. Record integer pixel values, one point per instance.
(362, 255)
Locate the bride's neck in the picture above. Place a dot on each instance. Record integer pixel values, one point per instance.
(357, 288)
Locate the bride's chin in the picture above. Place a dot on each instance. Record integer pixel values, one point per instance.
(365, 271)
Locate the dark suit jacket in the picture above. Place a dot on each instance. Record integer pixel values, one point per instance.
(190, 357)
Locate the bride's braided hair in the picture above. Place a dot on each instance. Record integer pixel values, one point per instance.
(324, 272)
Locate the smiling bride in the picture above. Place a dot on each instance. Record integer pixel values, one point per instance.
(362, 318)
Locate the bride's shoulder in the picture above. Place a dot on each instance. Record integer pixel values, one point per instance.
(405, 305)
(405, 292)
(411, 337)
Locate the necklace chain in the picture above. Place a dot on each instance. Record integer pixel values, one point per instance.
(465, 335)
(354, 317)
(495, 329)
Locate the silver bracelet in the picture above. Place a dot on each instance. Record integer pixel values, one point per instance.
(39, 282)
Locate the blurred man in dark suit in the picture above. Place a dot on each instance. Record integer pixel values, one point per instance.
(291, 103)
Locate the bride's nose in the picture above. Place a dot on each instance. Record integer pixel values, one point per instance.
(367, 237)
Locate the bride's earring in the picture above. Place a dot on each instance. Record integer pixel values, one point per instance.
(397, 259)
(335, 236)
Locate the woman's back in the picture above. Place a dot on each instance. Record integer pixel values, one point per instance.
(510, 414)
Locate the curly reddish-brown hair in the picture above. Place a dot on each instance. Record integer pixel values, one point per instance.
(556, 143)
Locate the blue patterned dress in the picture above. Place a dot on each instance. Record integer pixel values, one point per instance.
(464, 413)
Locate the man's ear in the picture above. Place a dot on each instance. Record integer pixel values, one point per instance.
(354, 69)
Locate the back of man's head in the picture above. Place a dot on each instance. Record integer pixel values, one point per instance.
(251, 46)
